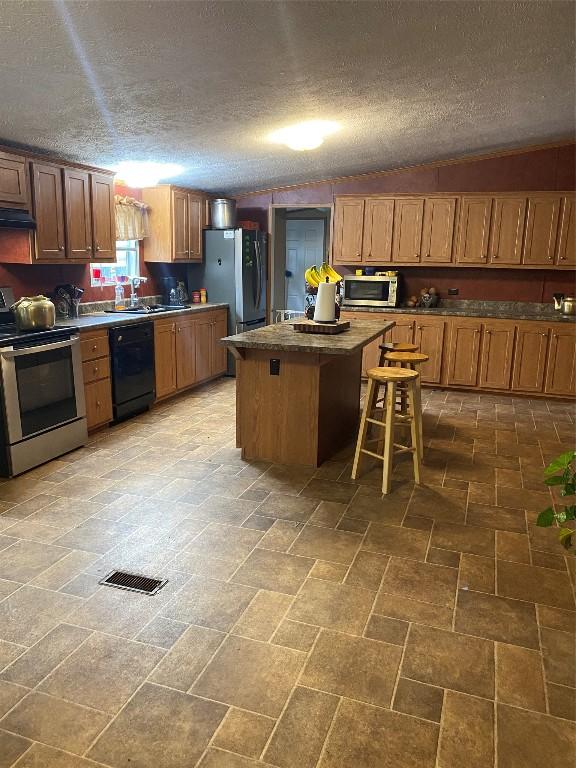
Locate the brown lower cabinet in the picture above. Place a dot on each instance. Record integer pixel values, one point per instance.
(560, 373)
(97, 383)
(187, 350)
(530, 357)
(524, 356)
(496, 355)
(463, 353)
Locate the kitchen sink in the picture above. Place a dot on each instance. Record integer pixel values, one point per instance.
(148, 309)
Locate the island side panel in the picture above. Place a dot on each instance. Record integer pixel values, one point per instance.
(339, 403)
(277, 415)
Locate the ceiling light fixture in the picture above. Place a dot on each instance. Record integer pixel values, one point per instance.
(304, 136)
(144, 173)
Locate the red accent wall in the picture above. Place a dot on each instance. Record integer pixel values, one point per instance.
(27, 279)
(541, 169)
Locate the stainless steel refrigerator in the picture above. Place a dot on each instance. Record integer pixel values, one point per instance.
(235, 272)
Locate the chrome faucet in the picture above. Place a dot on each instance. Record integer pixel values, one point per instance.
(136, 283)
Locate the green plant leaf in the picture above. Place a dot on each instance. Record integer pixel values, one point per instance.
(565, 537)
(570, 512)
(546, 518)
(554, 480)
(560, 462)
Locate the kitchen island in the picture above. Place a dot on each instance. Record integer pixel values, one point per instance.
(298, 394)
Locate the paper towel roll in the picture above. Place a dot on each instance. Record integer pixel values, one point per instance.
(324, 312)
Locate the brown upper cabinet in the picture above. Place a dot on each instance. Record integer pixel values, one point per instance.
(566, 247)
(378, 223)
(48, 205)
(177, 218)
(407, 238)
(103, 217)
(473, 230)
(74, 212)
(13, 181)
(348, 231)
(541, 230)
(438, 229)
(523, 230)
(506, 236)
(78, 214)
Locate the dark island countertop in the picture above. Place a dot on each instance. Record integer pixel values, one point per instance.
(110, 319)
(281, 337)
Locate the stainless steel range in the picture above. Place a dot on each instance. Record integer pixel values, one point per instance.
(43, 408)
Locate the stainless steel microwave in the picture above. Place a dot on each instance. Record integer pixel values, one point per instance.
(370, 291)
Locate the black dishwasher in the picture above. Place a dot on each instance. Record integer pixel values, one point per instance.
(132, 355)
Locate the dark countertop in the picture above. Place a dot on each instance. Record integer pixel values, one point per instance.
(504, 311)
(109, 319)
(281, 337)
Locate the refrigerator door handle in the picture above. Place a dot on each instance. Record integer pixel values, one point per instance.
(259, 272)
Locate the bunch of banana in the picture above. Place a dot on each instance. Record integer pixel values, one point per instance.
(326, 271)
(315, 276)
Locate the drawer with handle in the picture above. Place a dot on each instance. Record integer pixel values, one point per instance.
(94, 370)
(94, 346)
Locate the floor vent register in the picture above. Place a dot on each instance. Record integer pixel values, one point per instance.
(133, 582)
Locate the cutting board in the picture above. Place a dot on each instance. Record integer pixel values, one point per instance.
(309, 326)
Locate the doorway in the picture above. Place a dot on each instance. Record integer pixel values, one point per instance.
(300, 238)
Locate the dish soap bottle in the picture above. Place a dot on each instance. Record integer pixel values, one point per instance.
(119, 300)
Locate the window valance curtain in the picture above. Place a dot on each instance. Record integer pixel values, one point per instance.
(131, 218)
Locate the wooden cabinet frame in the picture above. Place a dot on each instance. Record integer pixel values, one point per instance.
(493, 230)
(177, 218)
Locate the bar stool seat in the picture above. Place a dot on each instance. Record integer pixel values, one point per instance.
(395, 346)
(390, 377)
(406, 359)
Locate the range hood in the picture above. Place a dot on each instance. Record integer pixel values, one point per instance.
(15, 218)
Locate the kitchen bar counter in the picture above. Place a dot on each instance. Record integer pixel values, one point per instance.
(99, 320)
(298, 394)
(505, 310)
(282, 337)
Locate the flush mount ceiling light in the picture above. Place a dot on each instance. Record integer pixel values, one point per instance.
(136, 173)
(303, 136)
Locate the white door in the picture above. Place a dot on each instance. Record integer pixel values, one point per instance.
(304, 247)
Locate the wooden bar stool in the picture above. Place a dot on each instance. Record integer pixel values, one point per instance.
(395, 346)
(409, 361)
(390, 377)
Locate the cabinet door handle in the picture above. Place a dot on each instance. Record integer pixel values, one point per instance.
(97, 248)
(95, 347)
(550, 258)
(88, 248)
(60, 247)
(543, 334)
(487, 332)
(97, 403)
(95, 369)
(427, 255)
(495, 255)
(562, 258)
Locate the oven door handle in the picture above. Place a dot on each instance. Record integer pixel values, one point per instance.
(9, 353)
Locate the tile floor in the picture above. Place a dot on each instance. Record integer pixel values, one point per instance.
(307, 621)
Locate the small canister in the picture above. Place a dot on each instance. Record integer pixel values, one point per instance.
(195, 297)
(203, 296)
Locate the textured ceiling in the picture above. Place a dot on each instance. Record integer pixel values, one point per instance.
(203, 83)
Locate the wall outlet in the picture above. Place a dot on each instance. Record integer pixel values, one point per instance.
(453, 291)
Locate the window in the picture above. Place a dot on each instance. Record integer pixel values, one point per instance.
(127, 265)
